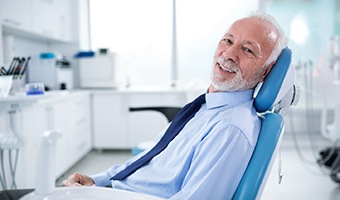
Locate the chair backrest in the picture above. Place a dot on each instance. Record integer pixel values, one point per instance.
(276, 83)
(256, 174)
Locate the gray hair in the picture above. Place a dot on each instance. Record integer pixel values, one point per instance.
(282, 38)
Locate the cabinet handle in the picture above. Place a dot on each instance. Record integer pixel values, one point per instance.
(13, 22)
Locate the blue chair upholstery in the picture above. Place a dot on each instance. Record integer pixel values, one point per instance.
(270, 89)
(254, 179)
(256, 174)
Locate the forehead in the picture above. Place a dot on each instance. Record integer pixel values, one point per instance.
(255, 31)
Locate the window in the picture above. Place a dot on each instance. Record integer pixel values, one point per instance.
(140, 31)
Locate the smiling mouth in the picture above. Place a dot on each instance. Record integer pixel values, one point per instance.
(225, 66)
(225, 69)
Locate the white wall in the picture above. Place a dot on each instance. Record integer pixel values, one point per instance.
(141, 34)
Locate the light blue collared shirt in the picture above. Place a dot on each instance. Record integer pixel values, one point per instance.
(206, 160)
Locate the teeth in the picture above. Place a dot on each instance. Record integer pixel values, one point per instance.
(225, 69)
(226, 66)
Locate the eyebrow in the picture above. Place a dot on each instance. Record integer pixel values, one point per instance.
(229, 34)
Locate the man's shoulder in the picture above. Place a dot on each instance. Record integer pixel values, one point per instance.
(246, 119)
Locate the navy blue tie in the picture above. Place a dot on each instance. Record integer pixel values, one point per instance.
(182, 117)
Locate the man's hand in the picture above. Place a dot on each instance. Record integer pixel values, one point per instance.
(77, 179)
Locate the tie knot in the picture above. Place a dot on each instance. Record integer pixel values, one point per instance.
(199, 100)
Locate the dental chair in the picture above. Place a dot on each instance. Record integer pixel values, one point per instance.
(272, 100)
(276, 94)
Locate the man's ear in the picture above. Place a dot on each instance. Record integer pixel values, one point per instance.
(266, 72)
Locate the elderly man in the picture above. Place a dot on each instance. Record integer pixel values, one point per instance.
(206, 158)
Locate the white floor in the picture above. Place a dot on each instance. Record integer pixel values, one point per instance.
(302, 179)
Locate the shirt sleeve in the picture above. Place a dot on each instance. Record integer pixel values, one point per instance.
(103, 179)
(217, 166)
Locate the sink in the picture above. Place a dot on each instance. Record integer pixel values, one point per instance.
(89, 193)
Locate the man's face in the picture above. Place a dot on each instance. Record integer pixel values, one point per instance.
(241, 54)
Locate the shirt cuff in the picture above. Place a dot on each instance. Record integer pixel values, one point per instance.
(101, 179)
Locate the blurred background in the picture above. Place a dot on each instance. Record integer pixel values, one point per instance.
(161, 51)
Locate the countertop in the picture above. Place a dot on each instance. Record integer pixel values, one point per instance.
(20, 100)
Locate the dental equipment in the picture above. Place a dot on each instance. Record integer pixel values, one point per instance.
(10, 142)
(332, 130)
(45, 174)
(330, 157)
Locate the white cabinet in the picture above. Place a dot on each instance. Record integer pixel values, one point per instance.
(115, 127)
(109, 119)
(52, 18)
(16, 13)
(38, 19)
(79, 136)
(71, 116)
(66, 17)
(46, 17)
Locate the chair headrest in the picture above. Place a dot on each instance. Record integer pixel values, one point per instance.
(277, 84)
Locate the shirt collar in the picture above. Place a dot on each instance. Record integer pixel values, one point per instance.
(217, 99)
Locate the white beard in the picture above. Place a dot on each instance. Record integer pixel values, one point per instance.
(235, 84)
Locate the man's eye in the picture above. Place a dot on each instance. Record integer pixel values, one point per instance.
(228, 41)
(248, 50)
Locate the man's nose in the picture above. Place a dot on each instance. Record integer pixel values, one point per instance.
(230, 53)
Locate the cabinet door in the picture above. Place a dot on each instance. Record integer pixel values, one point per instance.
(72, 118)
(65, 21)
(79, 129)
(46, 17)
(56, 120)
(17, 13)
(109, 120)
